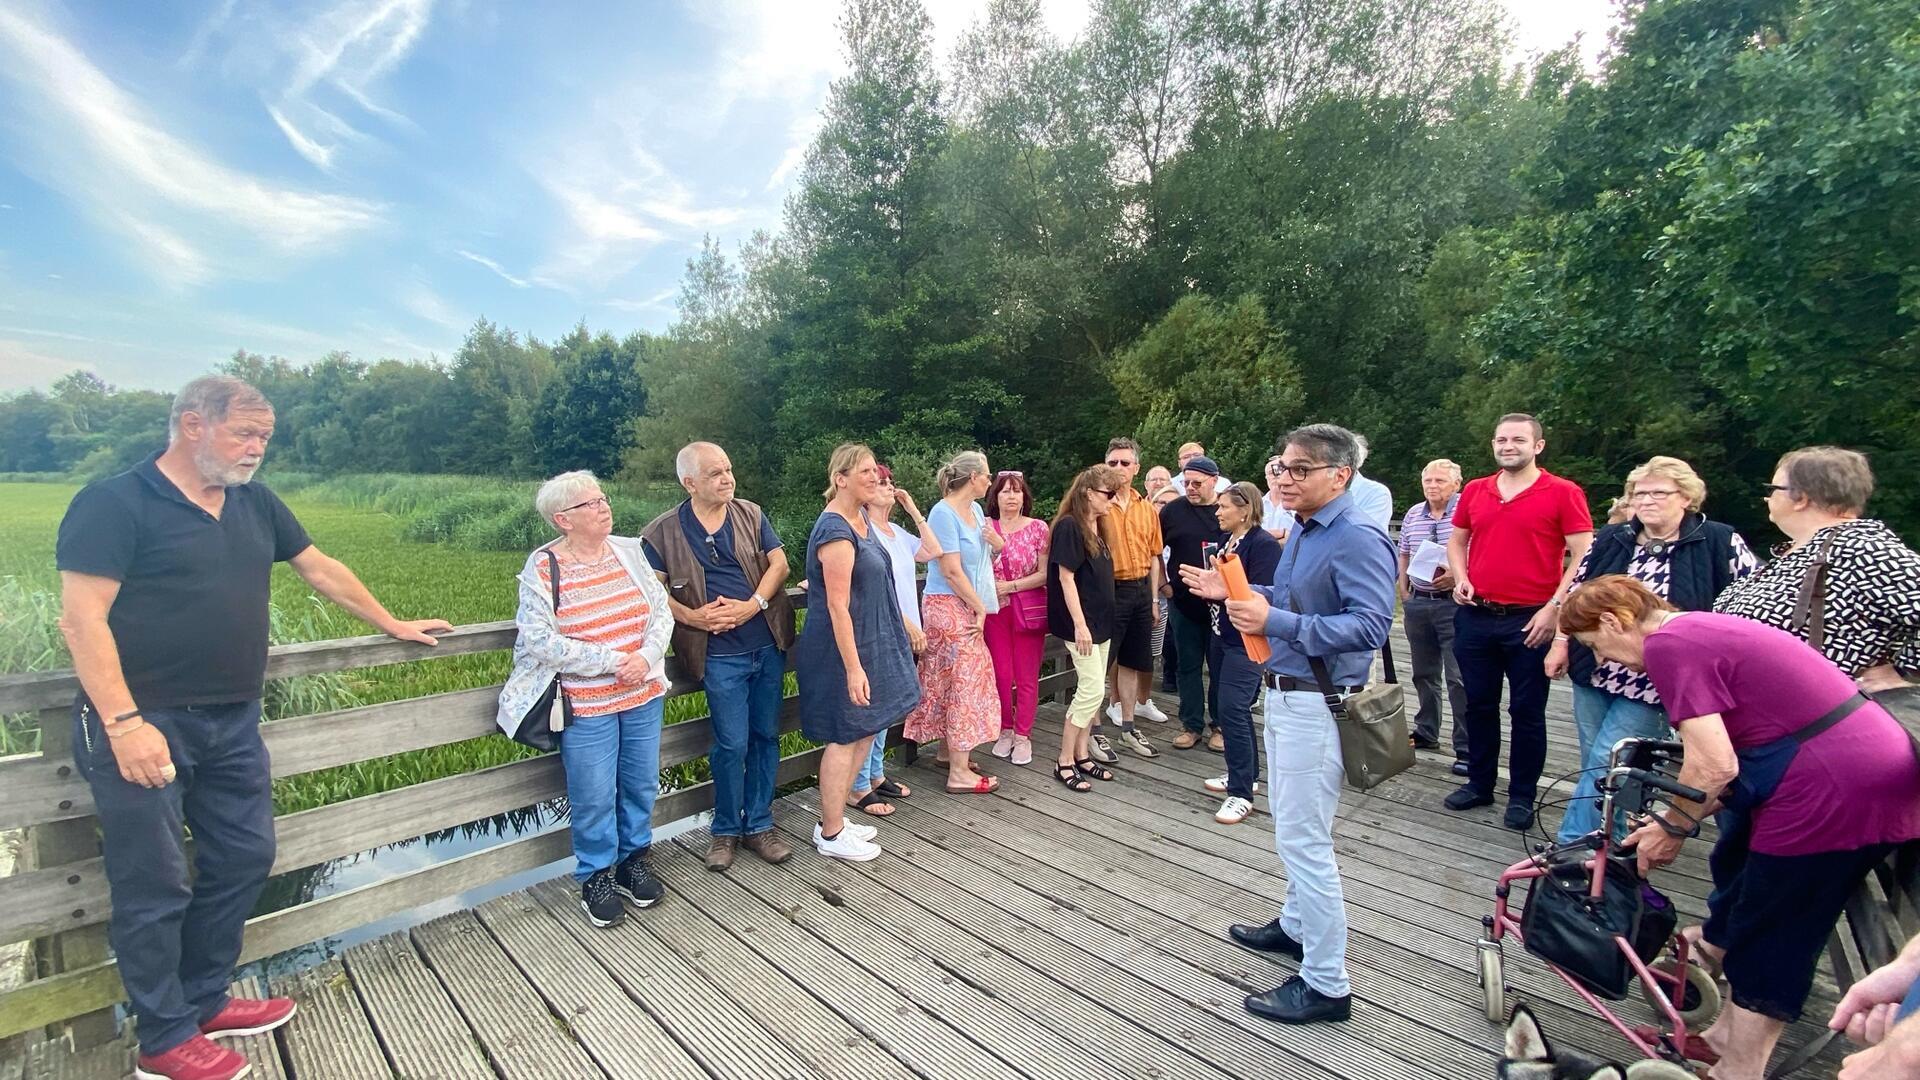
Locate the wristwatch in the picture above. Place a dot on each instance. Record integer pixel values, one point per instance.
(761, 600)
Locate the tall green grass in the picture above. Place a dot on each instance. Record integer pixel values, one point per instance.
(468, 512)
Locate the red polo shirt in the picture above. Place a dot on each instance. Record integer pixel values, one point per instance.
(1518, 548)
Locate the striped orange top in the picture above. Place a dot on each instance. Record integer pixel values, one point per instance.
(1132, 532)
(600, 603)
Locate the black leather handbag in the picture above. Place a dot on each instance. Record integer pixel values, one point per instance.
(1564, 926)
(551, 713)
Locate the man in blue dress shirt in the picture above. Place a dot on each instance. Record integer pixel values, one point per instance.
(1331, 598)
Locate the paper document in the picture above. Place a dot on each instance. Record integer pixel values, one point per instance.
(1427, 562)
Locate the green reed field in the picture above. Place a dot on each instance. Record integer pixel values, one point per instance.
(428, 546)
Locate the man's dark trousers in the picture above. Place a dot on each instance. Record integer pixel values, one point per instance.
(1490, 648)
(177, 939)
(1429, 622)
(1193, 636)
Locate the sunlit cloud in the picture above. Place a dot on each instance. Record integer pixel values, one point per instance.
(501, 271)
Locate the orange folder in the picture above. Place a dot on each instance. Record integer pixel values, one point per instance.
(1235, 575)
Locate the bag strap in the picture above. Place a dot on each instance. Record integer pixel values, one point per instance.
(1335, 703)
(1810, 606)
(1830, 717)
(553, 578)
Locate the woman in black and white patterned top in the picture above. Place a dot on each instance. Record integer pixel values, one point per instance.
(1870, 607)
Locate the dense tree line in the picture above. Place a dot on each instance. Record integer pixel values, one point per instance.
(1214, 219)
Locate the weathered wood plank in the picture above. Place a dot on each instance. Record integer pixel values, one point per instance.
(523, 1040)
(56, 1060)
(688, 974)
(418, 1027)
(262, 1050)
(330, 1035)
(613, 1028)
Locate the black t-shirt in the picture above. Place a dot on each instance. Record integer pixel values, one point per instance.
(1184, 526)
(1092, 577)
(190, 620)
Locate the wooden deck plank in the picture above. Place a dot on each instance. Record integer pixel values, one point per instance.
(620, 1035)
(952, 976)
(712, 996)
(918, 1038)
(57, 1061)
(262, 1050)
(330, 1035)
(423, 1035)
(522, 1038)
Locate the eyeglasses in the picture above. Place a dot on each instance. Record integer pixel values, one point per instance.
(1652, 496)
(601, 501)
(1301, 472)
(1118, 463)
(1767, 490)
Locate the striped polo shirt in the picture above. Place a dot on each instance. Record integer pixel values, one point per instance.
(599, 602)
(1132, 532)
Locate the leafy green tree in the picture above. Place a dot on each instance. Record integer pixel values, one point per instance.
(587, 409)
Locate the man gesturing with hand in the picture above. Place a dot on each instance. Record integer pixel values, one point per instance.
(164, 574)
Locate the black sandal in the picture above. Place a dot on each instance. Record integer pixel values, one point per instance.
(872, 799)
(1093, 768)
(891, 790)
(1071, 777)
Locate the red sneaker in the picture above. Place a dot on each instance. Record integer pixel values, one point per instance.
(248, 1016)
(196, 1059)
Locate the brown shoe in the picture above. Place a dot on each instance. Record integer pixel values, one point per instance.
(768, 846)
(1186, 740)
(720, 852)
(1217, 743)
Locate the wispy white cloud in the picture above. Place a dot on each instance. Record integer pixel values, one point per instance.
(192, 217)
(321, 156)
(516, 282)
(347, 48)
(664, 300)
(419, 298)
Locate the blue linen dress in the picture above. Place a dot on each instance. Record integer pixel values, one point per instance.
(880, 638)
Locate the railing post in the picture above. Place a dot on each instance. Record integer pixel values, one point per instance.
(52, 845)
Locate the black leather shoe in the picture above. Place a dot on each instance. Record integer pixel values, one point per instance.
(1294, 1002)
(1460, 767)
(1420, 743)
(1519, 816)
(1268, 938)
(1466, 797)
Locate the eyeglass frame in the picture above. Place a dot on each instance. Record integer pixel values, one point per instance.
(1657, 494)
(1301, 472)
(602, 499)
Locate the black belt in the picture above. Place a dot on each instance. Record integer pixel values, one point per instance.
(1288, 682)
(1430, 594)
(1493, 608)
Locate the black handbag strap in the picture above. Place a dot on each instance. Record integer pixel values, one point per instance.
(553, 578)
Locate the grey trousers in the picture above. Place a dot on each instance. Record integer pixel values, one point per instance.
(1430, 634)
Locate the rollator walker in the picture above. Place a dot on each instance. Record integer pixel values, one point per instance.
(1600, 926)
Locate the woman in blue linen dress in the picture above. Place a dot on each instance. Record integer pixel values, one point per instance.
(853, 661)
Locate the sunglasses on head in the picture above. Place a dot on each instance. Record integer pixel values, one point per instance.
(1016, 473)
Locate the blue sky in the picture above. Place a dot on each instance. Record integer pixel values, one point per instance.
(178, 180)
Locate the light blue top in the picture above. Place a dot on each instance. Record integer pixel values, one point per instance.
(1373, 500)
(970, 543)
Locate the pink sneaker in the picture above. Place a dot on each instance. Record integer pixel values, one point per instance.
(196, 1059)
(1022, 750)
(1004, 744)
(248, 1016)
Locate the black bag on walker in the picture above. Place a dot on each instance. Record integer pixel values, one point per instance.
(1563, 926)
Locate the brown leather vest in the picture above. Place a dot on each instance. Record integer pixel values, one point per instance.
(687, 582)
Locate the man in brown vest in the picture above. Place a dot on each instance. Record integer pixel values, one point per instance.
(726, 577)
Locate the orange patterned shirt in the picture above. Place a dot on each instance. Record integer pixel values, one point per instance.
(1132, 532)
(600, 603)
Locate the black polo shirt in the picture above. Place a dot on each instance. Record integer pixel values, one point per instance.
(1185, 526)
(190, 620)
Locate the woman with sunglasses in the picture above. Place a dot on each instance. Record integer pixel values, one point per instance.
(1686, 560)
(1017, 634)
(1081, 612)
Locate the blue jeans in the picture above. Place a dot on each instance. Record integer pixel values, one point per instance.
(1304, 771)
(875, 767)
(177, 935)
(1238, 686)
(613, 776)
(743, 697)
(1490, 648)
(1604, 719)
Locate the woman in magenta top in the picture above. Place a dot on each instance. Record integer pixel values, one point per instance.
(1017, 633)
(1819, 784)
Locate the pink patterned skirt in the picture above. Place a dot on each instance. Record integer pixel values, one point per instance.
(959, 702)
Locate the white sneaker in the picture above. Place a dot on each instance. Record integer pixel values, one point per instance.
(849, 845)
(1136, 742)
(1100, 750)
(864, 832)
(1003, 745)
(1113, 714)
(1233, 811)
(1022, 750)
(1218, 785)
(1149, 711)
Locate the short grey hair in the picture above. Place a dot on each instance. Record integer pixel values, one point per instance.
(1330, 444)
(1830, 477)
(212, 397)
(563, 491)
(1452, 467)
(1360, 441)
(686, 463)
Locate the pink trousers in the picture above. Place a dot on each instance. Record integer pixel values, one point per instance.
(1016, 669)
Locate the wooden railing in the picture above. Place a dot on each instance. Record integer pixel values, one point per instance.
(60, 902)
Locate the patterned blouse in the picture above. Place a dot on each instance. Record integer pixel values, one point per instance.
(600, 603)
(1655, 571)
(1872, 595)
(1024, 551)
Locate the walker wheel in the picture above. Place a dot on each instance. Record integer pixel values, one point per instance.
(1493, 983)
(1699, 1000)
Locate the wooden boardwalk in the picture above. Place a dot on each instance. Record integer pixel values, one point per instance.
(1033, 933)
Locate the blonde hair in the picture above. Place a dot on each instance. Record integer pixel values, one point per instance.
(846, 458)
(1671, 468)
(955, 474)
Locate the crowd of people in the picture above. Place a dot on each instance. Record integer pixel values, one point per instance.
(1785, 680)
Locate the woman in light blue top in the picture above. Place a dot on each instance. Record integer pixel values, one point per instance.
(959, 704)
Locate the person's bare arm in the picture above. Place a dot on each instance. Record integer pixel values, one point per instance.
(1400, 584)
(1457, 563)
(730, 614)
(1070, 593)
(1546, 621)
(139, 748)
(1710, 765)
(330, 578)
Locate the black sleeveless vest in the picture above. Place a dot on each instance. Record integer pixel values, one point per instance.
(1701, 565)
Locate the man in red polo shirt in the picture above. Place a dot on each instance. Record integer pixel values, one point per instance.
(1518, 536)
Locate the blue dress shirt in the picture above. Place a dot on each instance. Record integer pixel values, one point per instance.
(1341, 568)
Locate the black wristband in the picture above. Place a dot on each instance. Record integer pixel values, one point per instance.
(126, 716)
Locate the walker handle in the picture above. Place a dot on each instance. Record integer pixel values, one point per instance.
(1672, 787)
